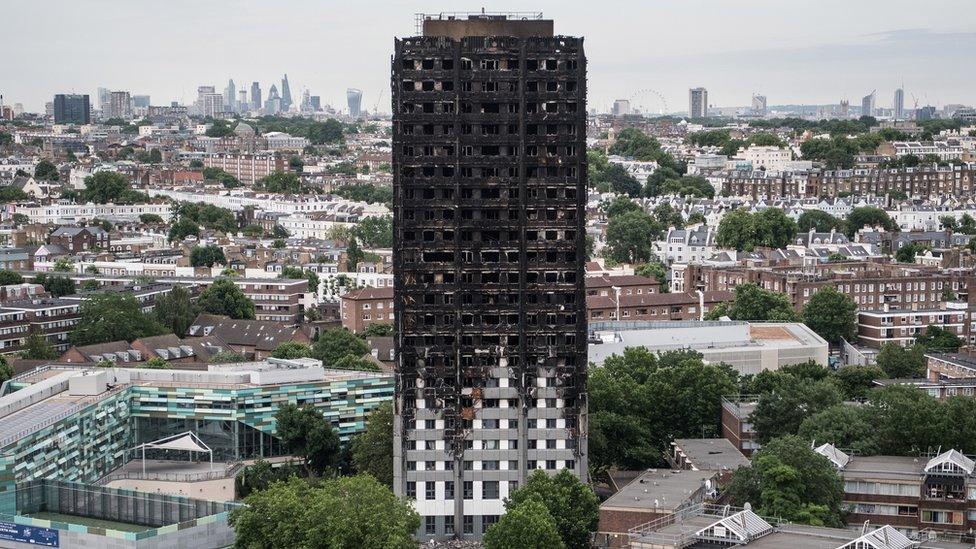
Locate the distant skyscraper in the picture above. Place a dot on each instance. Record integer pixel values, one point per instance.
(316, 102)
(697, 103)
(306, 104)
(72, 109)
(285, 94)
(867, 104)
(925, 113)
(212, 104)
(759, 105)
(273, 105)
(255, 96)
(140, 101)
(621, 107)
(230, 96)
(120, 105)
(242, 104)
(354, 98)
(103, 97)
(899, 104)
(845, 108)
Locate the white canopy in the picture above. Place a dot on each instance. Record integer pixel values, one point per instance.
(187, 442)
(184, 442)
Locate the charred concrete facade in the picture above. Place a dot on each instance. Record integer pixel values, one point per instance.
(490, 186)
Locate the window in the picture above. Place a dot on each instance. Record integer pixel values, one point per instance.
(468, 524)
(468, 489)
(430, 525)
(449, 525)
(412, 490)
(429, 490)
(487, 521)
(449, 490)
(489, 489)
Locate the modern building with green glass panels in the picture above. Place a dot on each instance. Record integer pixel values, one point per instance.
(71, 423)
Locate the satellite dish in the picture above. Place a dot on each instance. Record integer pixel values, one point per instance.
(708, 484)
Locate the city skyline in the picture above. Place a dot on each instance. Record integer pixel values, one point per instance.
(821, 62)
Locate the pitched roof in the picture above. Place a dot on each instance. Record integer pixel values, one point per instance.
(885, 537)
(261, 334)
(829, 451)
(741, 527)
(953, 462)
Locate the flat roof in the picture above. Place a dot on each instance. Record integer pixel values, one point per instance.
(711, 454)
(894, 468)
(658, 489)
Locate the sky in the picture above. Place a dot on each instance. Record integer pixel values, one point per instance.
(792, 51)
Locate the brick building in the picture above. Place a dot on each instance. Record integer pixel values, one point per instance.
(360, 308)
(248, 168)
(629, 285)
(877, 327)
(653, 306)
(80, 239)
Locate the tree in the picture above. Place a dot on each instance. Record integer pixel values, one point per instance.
(372, 450)
(736, 230)
(529, 525)
(8, 277)
(656, 270)
(343, 512)
(113, 317)
(176, 310)
(155, 156)
(104, 187)
(773, 229)
(296, 273)
(689, 186)
(225, 179)
(11, 194)
(260, 475)
(291, 350)
(208, 216)
(57, 286)
(63, 265)
(375, 231)
(6, 370)
(618, 180)
(46, 170)
(856, 381)
(935, 338)
(378, 329)
(196, 164)
(844, 426)
(572, 505)
(225, 357)
(306, 433)
(667, 216)
(868, 216)
(780, 412)
(223, 297)
(687, 394)
(37, 347)
(354, 255)
(788, 479)
(906, 419)
(219, 128)
(750, 302)
(182, 229)
(901, 362)
(156, 363)
(832, 314)
(150, 219)
(336, 343)
(619, 206)
(353, 362)
(657, 179)
(207, 256)
(630, 237)
(906, 254)
(281, 182)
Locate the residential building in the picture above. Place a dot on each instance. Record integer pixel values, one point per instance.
(249, 168)
(950, 366)
(899, 104)
(693, 244)
(489, 160)
(653, 306)
(867, 104)
(120, 105)
(81, 239)
(770, 158)
(697, 103)
(255, 339)
(621, 107)
(361, 308)
(51, 318)
(903, 326)
(609, 285)
(736, 426)
(930, 493)
(72, 109)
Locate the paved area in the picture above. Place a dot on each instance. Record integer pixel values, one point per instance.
(213, 490)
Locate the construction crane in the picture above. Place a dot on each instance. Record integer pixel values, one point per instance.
(377, 104)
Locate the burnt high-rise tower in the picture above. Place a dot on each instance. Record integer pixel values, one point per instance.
(490, 187)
